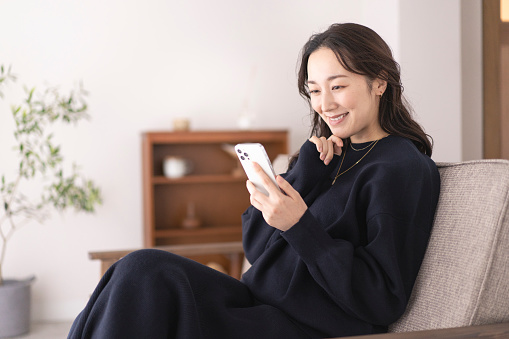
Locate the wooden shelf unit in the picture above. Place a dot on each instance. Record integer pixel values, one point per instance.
(219, 197)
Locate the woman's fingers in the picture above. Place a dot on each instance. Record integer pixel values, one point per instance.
(281, 208)
(254, 194)
(337, 144)
(325, 147)
(286, 187)
(330, 152)
(315, 140)
(265, 181)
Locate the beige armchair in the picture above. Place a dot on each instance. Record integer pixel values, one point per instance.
(464, 279)
(462, 290)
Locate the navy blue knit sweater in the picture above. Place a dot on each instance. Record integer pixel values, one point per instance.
(348, 266)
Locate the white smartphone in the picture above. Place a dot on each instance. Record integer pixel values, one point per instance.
(255, 152)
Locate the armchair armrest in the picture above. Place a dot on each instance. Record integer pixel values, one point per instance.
(232, 250)
(498, 330)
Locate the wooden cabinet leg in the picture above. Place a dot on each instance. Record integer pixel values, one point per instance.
(105, 264)
(236, 265)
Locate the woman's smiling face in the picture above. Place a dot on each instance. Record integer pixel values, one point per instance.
(344, 100)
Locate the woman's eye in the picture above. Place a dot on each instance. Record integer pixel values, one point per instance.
(336, 87)
(313, 91)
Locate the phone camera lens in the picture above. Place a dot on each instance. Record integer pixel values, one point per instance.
(245, 154)
(240, 151)
(242, 157)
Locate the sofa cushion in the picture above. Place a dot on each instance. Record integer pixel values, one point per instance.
(464, 278)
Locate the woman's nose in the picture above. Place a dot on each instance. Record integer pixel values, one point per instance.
(328, 102)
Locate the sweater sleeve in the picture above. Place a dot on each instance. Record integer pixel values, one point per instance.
(305, 177)
(373, 282)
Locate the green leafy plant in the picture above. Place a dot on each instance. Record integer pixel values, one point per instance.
(40, 165)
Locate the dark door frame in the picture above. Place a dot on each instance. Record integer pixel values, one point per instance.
(495, 82)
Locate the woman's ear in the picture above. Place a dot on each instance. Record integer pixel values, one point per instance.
(379, 86)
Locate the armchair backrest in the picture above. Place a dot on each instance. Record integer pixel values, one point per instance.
(464, 278)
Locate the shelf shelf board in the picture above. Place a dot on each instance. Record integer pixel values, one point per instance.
(214, 137)
(202, 231)
(198, 179)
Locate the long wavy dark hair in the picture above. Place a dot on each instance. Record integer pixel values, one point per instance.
(361, 50)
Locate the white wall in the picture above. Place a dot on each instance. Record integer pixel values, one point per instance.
(430, 34)
(441, 61)
(147, 62)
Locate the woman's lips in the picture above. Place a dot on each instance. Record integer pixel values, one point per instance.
(337, 118)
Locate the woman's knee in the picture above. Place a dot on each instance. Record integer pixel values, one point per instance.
(146, 262)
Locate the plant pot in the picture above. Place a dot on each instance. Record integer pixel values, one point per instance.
(15, 307)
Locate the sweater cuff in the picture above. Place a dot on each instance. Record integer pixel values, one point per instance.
(309, 170)
(307, 237)
(310, 158)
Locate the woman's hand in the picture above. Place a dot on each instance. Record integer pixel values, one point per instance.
(327, 147)
(281, 210)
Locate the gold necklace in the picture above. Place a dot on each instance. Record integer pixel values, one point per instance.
(362, 149)
(340, 174)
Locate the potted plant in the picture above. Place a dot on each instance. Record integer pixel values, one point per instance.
(39, 168)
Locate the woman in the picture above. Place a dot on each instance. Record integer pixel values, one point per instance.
(335, 254)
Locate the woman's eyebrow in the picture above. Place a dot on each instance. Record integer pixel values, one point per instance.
(332, 77)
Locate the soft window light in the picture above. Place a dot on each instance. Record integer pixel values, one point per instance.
(504, 10)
